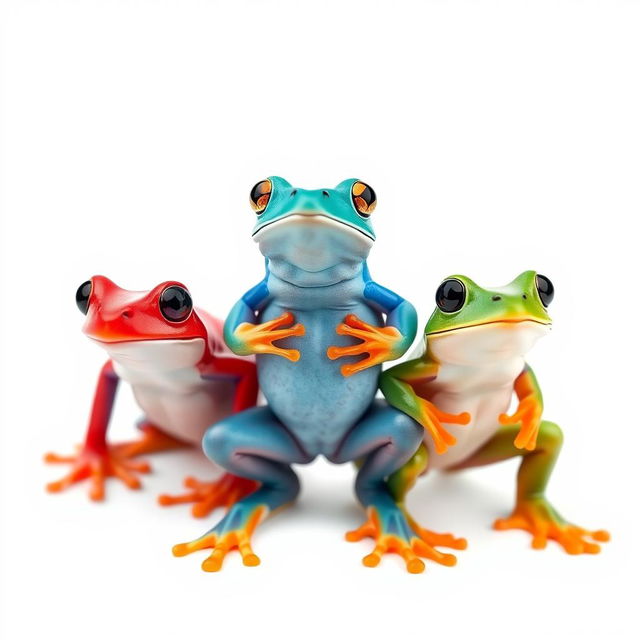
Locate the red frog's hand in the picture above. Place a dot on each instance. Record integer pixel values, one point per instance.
(431, 418)
(379, 343)
(97, 466)
(528, 415)
(259, 338)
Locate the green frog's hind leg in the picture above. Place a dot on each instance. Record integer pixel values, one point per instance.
(256, 446)
(533, 512)
(401, 482)
(383, 441)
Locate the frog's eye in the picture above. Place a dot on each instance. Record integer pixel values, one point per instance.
(545, 289)
(451, 295)
(260, 195)
(82, 296)
(175, 303)
(364, 198)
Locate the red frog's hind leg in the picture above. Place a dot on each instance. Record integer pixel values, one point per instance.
(152, 440)
(205, 496)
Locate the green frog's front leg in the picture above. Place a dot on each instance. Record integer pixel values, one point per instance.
(533, 512)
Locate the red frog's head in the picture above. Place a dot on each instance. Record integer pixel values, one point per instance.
(116, 315)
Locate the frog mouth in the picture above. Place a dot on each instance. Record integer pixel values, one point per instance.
(490, 322)
(302, 217)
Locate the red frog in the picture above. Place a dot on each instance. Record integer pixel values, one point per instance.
(183, 378)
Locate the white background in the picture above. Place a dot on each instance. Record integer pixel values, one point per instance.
(499, 136)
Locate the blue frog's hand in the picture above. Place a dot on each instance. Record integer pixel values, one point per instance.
(259, 338)
(244, 337)
(380, 343)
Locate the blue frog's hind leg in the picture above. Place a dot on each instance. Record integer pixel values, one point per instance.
(253, 444)
(383, 441)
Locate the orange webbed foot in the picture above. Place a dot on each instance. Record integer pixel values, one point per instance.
(233, 532)
(207, 496)
(378, 343)
(540, 519)
(97, 466)
(259, 338)
(410, 543)
(153, 440)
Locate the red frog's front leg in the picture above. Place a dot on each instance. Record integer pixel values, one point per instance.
(96, 459)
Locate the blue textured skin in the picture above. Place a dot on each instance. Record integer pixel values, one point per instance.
(312, 408)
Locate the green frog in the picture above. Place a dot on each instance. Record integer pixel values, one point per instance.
(461, 388)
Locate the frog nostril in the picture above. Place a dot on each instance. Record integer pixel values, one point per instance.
(496, 298)
(524, 296)
(325, 194)
(293, 193)
(126, 313)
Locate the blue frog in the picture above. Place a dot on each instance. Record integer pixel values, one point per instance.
(333, 326)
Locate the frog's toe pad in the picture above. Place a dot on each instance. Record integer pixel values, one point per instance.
(410, 550)
(574, 540)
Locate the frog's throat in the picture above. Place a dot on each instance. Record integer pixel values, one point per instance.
(303, 216)
(482, 324)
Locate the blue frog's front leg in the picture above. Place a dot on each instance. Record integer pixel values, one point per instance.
(245, 337)
(379, 344)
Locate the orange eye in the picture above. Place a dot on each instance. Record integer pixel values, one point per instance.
(364, 198)
(260, 195)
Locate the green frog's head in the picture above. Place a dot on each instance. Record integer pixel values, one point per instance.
(472, 325)
(313, 237)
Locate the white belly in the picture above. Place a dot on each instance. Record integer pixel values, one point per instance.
(484, 392)
(169, 388)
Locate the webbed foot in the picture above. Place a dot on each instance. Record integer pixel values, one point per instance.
(396, 534)
(542, 521)
(153, 440)
(207, 496)
(97, 466)
(234, 531)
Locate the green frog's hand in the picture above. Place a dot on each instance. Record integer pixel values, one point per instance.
(259, 338)
(431, 418)
(528, 416)
(379, 343)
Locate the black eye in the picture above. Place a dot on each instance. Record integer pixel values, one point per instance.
(175, 303)
(364, 198)
(451, 295)
(545, 289)
(82, 296)
(260, 195)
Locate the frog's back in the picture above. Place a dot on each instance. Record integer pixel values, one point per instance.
(311, 396)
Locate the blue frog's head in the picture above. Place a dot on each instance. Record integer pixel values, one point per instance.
(316, 231)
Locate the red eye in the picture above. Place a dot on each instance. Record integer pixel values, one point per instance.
(260, 195)
(175, 304)
(364, 198)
